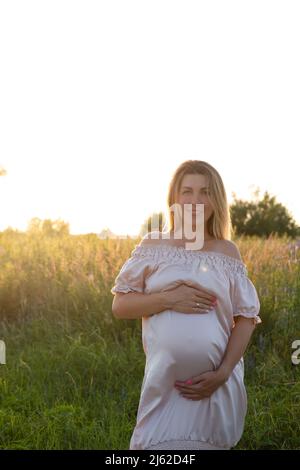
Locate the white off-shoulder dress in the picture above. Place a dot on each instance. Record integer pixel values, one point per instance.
(179, 346)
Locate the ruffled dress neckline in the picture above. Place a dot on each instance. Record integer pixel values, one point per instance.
(185, 252)
(213, 259)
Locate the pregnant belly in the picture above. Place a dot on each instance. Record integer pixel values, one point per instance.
(190, 343)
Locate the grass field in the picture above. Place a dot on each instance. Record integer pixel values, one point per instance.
(73, 372)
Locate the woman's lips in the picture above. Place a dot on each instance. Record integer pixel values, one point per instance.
(195, 211)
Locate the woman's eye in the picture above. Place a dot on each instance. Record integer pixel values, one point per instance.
(204, 192)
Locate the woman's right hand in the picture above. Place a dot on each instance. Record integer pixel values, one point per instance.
(184, 296)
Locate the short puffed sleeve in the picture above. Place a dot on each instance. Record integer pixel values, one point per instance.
(244, 297)
(134, 272)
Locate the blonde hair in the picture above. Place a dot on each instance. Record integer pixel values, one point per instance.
(219, 224)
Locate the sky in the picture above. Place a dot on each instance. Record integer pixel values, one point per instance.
(101, 101)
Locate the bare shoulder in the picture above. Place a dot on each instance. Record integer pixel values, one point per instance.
(229, 248)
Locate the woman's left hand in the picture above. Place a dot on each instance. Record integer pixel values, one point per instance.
(201, 386)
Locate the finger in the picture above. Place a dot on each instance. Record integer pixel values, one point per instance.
(191, 309)
(202, 294)
(198, 288)
(201, 304)
(186, 388)
(203, 311)
(196, 311)
(184, 382)
(197, 393)
(202, 298)
(192, 381)
(189, 392)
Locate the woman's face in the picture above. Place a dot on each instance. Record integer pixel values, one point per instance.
(195, 190)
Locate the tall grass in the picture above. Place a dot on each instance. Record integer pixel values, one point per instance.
(73, 372)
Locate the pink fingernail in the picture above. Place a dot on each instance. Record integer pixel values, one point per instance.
(188, 382)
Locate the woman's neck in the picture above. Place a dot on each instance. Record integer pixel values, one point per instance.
(207, 237)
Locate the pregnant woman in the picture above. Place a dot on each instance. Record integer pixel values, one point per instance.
(198, 310)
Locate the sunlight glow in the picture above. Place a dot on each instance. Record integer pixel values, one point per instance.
(101, 101)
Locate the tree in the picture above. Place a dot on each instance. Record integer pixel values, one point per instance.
(106, 233)
(48, 227)
(262, 217)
